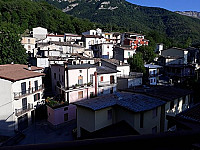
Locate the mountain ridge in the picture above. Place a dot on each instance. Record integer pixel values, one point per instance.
(134, 17)
(194, 14)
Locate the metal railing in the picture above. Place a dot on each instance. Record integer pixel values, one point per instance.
(32, 90)
(106, 83)
(139, 75)
(23, 110)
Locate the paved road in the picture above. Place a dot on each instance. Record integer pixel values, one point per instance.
(41, 132)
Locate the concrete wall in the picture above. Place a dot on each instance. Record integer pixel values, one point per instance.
(88, 123)
(124, 70)
(101, 118)
(7, 116)
(178, 108)
(96, 120)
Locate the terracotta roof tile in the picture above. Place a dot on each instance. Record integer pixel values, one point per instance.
(14, 72)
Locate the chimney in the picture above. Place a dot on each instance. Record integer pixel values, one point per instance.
(100, 63)
(29, 66)
(95, 75)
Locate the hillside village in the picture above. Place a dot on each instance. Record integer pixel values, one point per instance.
(87, 79)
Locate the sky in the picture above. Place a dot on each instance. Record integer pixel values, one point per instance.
(172, 5)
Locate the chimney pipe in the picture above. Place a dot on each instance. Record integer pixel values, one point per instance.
(29, 66)
(100, 63)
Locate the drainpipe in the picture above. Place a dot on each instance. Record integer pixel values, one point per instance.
(67, 80)
(95, 75)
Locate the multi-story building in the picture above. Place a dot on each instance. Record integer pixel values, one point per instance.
(112, 37)
(177, 100)
(29, 44)
(152, 73)
(134, 40)
(73, 83)
(123, 53)
(103, 50)
(21, 94)
(107, 79)
(143, 113)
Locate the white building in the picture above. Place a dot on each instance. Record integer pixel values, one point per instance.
(103, 50)
(56, 38)
(153, 73)
(123, 53)
(107, 80)
(90, 40)
(29, 44)
(21, 93)
(39, 33)
(93, 32)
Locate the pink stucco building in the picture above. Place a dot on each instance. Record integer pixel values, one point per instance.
(73, 83)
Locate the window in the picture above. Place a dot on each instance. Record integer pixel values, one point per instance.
(59, 77)
(129, 54)
(29, 47)
(80, 71)
(55, 76)
(112, 80)
(154, 130)
(29, 88)
(102, 90)
(80, 80)
(109, 112)
(88, 62)
(36, 85)
(59, 39)
(23, 88)
(91, 78)
(24, 103)
(154, 112)
(66, 117)
(29, 41)
(80, 94)
(141, 119)
(91, 94)
(101, 78)
(36, 97)
(171, 104)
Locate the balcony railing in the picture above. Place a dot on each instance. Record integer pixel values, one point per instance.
(32, 90)
(106, 83)
(23, 110)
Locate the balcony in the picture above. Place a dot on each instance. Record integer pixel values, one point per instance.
(106, 83)
(21, 111)
(18, 95)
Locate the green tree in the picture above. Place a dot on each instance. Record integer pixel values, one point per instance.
(148, 53)
(11, 49)
(136, 63)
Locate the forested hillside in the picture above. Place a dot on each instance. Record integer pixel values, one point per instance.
(130, 17)
(18, 15)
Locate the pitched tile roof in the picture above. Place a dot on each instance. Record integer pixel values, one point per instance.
(166, 93)
(133, 102)
(105, 70)
(192, 114)
(14, 72)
